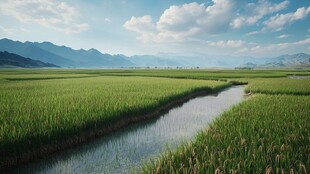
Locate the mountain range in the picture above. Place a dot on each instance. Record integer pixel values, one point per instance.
(10, 60)
(63, 56)
(296, 60)
(67, 57)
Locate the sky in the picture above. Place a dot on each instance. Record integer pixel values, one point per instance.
(258, 28)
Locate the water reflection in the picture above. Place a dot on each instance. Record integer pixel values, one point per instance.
(125, 150)
(298, 77)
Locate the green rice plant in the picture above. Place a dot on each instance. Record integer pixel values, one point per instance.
(169, 73)
(46, 76)
(35, 113)
(264, 134)
(279, 86)
(203, 74)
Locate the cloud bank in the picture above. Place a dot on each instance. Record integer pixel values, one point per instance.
(206, 24)
(179, 23)
(185, 22)
(48, 13)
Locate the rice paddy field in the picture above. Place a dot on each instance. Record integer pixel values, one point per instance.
(20, 74)
(267, 133)
(38, 112)
(280, 86)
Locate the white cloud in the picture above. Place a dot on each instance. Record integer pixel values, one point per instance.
(283, 36)
(181, 19)
(51, 14)
(192, 18)
(182, 22)
(107, 19)
(143, 26)
(228, 43)
(218, 16)
(255, 12)
(252, 33)
(285, 45)
(274, 49)
(140, 24)
(190, 21)
(278, 22)
(190, 25)
(8, 31)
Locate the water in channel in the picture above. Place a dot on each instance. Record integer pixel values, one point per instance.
(298, 77)
(126, 150)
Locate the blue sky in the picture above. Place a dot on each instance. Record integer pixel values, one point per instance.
(258, 28)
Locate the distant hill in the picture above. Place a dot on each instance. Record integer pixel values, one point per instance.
(64, 56)
(86, 58)
(249, 65)
(8, 60)
(295, 60)
(27, 49)
(300, 60)
(153, 61)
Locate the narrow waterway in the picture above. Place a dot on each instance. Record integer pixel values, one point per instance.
(127, 149)
(298, 77)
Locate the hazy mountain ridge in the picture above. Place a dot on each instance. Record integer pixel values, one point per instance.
(64, 56)
(154, 61)
(27, 49)
(295, 60)
(86, 58)
(13, 60)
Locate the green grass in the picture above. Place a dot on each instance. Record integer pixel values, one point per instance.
(279, 86)
(15, 77)
(265, 134)
(170, 73)
(268, 133)
(206, 74)
(39, 112)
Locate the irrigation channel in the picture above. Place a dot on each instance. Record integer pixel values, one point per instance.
(128, 149)
(298, 77)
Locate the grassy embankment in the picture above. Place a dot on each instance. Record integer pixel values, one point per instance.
(264, 134)
(35, 113)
